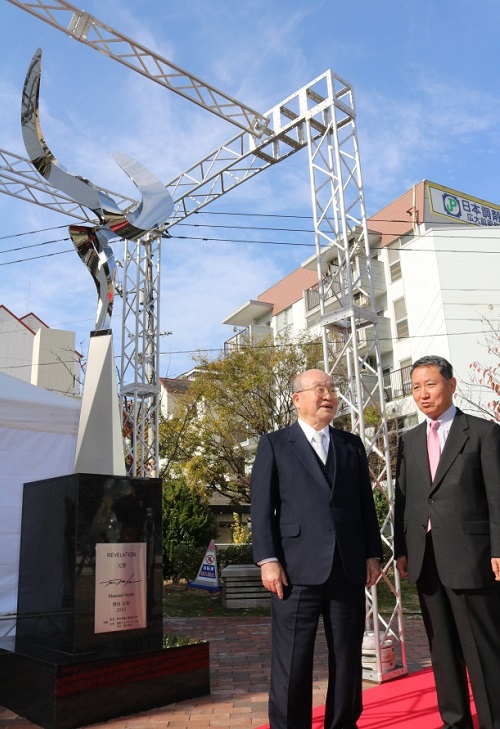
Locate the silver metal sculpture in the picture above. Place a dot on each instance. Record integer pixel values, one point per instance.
(92, 243)
(92, 246)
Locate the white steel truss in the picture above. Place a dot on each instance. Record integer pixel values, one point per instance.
(320, 116)
(140, 387)
(101, 37)
(342, 241)
(18, 178)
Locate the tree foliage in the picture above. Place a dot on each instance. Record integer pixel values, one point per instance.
(240, 531)
(188, 527)
(233, 400)
(485, 378)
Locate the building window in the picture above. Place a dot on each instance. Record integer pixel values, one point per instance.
(284, 323)
(361, 300)
(405, 366)
(386, 374)
(394, 261)
(401, 319)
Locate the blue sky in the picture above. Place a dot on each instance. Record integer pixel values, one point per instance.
(427, 90)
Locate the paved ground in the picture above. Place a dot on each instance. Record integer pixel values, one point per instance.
(239, 670)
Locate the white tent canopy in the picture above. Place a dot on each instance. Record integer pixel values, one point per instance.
(38, 432)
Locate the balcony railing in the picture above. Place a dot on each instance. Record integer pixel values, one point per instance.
(366, 335)
(397, 383)
(333, 285)
(253, 334)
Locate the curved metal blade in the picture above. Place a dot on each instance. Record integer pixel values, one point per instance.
(156, 204)
(79, 189)
(92, 246)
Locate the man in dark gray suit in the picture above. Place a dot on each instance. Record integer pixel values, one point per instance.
(447, 540)
(316, 537)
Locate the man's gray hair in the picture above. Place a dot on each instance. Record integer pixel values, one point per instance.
(433, 360)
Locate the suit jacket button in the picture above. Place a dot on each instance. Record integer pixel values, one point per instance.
(431, 501)
(332, 529)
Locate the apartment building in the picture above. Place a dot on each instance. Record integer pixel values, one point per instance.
(170, 389)
(435, 260)
(33, 352)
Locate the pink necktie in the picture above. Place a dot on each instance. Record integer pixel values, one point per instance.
(433, 447)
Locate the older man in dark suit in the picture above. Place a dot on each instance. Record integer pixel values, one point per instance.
(448, 542)
(315, 536)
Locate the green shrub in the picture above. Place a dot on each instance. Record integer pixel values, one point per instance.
(188, 527)
(185, 562)
(233, 554)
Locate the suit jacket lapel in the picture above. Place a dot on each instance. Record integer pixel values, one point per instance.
(420, 449)
(305, 454)
(338, 456)
(454, 443)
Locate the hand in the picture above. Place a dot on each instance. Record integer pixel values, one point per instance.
(495, 566)
(273, 577)
(373, 571)
(402, 567)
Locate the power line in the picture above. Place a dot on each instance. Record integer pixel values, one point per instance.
(35, 258)
(205, 239)
(239, 240)
(209, 350)
(310, 245)
(35, 245)
(247, 227)
(372, 219)
(245, 240)
(293, 344)
(33, 232)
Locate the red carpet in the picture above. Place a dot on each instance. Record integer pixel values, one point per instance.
(405, 703)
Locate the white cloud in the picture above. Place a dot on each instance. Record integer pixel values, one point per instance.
(201, 286)
(412, 138)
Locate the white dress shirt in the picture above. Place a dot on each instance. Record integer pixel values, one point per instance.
(309, 431)
(445, 420)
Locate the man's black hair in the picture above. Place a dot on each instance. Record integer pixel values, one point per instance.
(433, 360)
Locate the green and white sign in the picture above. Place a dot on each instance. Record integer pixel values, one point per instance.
(462, 208)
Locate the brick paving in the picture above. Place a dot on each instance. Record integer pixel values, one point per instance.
(239, 674)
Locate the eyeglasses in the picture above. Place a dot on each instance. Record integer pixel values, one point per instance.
(320, 390)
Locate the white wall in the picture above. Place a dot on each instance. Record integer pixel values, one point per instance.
(37, 441)
(424, 299)
(16, 347)
(452, 283)
(55, 362)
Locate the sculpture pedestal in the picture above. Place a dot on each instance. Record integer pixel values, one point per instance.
(65, 692)
(89, 641)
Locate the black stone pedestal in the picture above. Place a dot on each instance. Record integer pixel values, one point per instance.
(89, 642)
(64, 521)
(65, 692)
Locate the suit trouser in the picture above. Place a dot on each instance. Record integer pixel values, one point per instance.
(463, 628)
(294, 624)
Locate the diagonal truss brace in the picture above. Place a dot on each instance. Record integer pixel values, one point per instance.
(88, 30)
(233, 163)
(18, 178)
